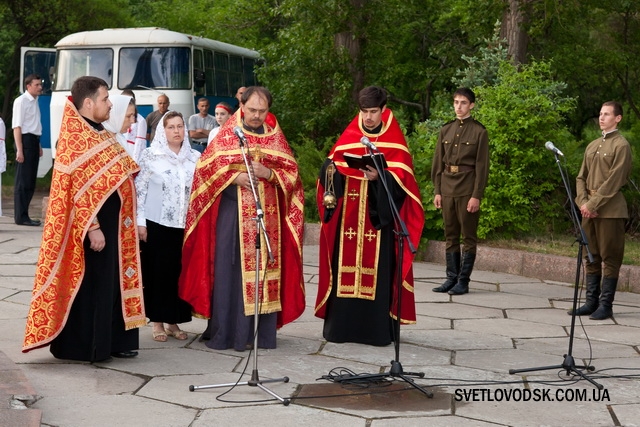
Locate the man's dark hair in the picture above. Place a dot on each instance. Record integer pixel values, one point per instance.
(372, 97)
(617, 107)
(86, 87)
(467, 93)
(30, 78)
(129, 92)
(260, 90)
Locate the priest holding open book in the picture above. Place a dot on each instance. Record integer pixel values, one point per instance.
(357, 292)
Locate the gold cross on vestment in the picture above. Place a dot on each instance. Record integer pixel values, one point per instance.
(350, 233)
(257, 154)
(249, 211)
(371, 235)
(353, 194)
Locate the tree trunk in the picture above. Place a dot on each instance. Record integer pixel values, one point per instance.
(353, 42)
(513, 30)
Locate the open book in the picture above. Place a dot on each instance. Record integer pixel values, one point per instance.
(360, 162)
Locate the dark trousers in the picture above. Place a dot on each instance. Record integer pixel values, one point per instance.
(457, 221)
(25, 181)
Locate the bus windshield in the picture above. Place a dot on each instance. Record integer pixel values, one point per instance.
(155, 67)
(74, 63)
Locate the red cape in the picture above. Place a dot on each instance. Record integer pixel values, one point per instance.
(391, 142)
(219, 165)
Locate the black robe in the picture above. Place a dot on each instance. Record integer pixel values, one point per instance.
(95, 326)
(360, 320)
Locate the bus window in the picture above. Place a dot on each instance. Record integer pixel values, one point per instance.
(210, 75)
(74, 63)
(249, 72)
(155, 67)
(221, 62)
(235, 72)
(39, 62)
(198, 72)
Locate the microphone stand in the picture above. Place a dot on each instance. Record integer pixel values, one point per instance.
(569, 364)
(401, 232)
(255, 380)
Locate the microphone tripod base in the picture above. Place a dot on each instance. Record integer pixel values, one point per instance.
(396, 371)
(569, 365)
(255, 381)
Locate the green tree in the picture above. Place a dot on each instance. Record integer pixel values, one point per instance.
(43, 23)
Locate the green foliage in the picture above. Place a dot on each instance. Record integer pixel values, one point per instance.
(482, 69)
(521, 111)
(310, 160)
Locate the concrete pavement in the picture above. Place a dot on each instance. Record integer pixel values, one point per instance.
(465, 346)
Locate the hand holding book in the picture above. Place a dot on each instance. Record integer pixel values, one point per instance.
(360, 162)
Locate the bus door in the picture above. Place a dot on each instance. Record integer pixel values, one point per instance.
(41, 61)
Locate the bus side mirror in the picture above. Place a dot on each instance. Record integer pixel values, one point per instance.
(198, 77)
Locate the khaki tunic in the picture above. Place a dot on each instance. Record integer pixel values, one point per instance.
(606, 167)
(465, 144)
(461, 143)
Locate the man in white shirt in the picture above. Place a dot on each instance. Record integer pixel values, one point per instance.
(200, 125)
(27, 130)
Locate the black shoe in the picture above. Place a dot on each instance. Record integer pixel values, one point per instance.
(125, 354)
(31, 222)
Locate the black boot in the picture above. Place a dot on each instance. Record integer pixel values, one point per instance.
(462, 287)
(605, 310)
(591, 301)
(453, 269)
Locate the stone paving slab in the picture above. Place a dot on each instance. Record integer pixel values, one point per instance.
(507, 321)
(113, 410)
(453, 310)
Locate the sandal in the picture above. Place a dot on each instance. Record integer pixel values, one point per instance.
(159, 336)
(179, 334)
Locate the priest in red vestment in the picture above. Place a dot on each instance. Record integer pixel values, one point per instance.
(357, 293)
(219, 254)
(87, 298)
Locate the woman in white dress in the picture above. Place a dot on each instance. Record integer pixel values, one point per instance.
(164, 186)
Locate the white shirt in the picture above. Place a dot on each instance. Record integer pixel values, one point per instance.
(213, 134)
(26, 114)
(135, 139)
(164, 182)
(198, 122)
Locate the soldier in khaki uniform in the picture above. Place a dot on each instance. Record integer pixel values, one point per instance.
(459, 173)
(606, 167)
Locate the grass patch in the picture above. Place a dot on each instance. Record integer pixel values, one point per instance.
(561, 245)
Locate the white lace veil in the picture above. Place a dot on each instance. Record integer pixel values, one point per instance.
(160, 145)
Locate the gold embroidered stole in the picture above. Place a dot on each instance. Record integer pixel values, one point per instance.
(359, 245)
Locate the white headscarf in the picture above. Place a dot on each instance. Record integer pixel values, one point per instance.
(160, 145)
(118, 113)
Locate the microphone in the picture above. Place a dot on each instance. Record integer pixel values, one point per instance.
(240, 134)
(367, 143)
(553, 148)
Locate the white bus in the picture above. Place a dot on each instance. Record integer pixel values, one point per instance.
(149, 61)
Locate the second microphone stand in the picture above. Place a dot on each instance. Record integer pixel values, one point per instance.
(569, 364)
(402, 234)
(261, 230)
